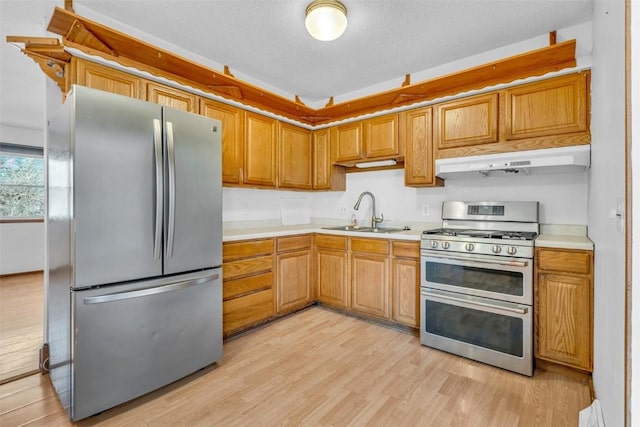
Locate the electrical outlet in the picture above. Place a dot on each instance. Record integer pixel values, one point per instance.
(342, 210)
(425, 210)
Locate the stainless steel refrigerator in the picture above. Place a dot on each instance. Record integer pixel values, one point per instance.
(134, 248)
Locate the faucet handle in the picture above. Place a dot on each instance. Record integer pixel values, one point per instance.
(377, 220)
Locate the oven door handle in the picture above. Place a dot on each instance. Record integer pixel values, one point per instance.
(471, 261)
(440, 297)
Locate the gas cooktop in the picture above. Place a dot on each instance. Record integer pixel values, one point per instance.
(482, 234)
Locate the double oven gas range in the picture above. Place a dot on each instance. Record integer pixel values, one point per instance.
(476, 289)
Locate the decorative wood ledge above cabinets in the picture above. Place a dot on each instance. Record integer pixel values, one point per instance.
(267, 151)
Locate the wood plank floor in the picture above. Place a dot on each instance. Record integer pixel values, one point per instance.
(21, 319)
(321, 368)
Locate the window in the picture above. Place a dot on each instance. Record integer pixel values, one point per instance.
(22, 191)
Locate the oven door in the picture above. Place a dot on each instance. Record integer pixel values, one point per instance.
(494, 332)
(503, 278)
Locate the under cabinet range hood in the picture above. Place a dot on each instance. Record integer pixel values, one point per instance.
(548, 160)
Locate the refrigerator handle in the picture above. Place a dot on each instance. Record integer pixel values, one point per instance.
(172, 189)
(149, 291)
(157, 144)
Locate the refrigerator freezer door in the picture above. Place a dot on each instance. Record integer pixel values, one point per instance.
(132, 339)
(193, 192)
(114, 188)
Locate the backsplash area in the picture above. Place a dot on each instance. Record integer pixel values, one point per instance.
(562, 197)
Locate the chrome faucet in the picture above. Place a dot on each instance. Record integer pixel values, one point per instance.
(374, 220)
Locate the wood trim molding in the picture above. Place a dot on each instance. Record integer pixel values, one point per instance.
(96, 39)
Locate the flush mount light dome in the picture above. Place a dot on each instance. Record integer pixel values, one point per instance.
(326, 19)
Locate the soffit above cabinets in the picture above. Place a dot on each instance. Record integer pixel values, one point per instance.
(99, 40)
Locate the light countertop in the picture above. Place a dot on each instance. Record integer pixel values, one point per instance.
(231, 235)
(552, 236)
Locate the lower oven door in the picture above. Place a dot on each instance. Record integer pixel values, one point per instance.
(494, 332)
(495, 277)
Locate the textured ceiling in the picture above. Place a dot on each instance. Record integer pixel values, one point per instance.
(385, 39)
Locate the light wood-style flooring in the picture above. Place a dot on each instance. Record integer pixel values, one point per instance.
(21, 319)
(321, 368)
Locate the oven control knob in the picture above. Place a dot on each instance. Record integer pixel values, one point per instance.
(469, 247)
(446, 245)
(511, 250)
(433, 244)
(496, 249)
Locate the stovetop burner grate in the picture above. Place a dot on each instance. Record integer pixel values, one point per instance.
(483, 234)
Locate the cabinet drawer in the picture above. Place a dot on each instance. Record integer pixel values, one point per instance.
(564, 260)
(247, 285)
(331, 242)
(372, 246)
(236, 250)
(294, 242)
(245, 267)
(406, 249)
(245, 311)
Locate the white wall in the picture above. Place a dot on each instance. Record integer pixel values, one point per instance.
(22, 247)
(562, 197)
(606, 186)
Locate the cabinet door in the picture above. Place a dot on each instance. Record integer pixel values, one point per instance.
(564, 319)
(370, 284)
(553, 107)
(381, 136)
(347, 139)
(326, 176)
(232, 119)
(294, 280)
(260, 150)
(108, 79)
(173, 98)
(466, 122)
(405, 290)
(332, 277)
(295, 157)
(419, 161)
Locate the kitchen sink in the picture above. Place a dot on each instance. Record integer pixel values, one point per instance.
(348, 228)
(384, 230)
(364, 229)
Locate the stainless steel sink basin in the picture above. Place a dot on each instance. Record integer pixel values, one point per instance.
(347, 228)
(364, 229)
(384, 230)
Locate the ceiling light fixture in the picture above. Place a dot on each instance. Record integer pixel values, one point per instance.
(326, 20)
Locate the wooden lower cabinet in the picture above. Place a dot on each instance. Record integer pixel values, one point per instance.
(370, 276)
(405, 283)
(564, 307)
(294, 268)
(332, 269)
(247, 284)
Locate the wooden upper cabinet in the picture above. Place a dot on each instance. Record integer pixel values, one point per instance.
(326, 176)
(232, 119)
(295, 157)
(380, 136)
(171, 97)
(468, 121)
(551, 107)
(260, 150)
(347, 140)
(98, 76)
(419, 159)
